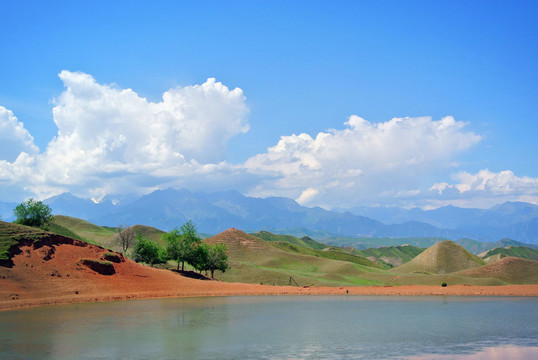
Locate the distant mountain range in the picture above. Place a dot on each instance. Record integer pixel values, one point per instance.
(215, 212)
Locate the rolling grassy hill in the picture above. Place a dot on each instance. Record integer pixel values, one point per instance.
(254, 260)
(101, 235)
(511, 270)
(84, 230)
(272, 259)
(304, 241)
(522, 252)
(392, 255)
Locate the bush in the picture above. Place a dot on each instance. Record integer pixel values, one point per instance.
(444, 284)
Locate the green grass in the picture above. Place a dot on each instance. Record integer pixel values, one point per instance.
(86, 231)
(392, 255)
(305, 241)
(329, 253)
(11, 234)
(517, 251)
(367, 242)
(58, 229)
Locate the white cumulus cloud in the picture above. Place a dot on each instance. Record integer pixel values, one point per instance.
(14, 138)
(112, 140)
(362, 162)
(486, 188)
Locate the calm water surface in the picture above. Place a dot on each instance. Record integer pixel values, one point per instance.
(314, 327)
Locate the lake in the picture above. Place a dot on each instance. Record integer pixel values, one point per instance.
(277, 327)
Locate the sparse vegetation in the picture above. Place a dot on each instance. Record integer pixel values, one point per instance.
(11, 234)
(115, 258)
(33, 213)
(101, 267)
(125, 237)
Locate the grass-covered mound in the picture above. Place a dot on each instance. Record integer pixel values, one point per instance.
(392, 255)
(254, 260)
(304, 241)
(442, 258)
(85, 230)
(310, 247)
(511, 270)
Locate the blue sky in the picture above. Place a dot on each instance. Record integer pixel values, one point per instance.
(304, 67)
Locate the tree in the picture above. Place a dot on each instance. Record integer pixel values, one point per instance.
(125, 237)
(33, 213)
(148, 252)
(181, 244)
(217, 258)
(200, 258)
(208, 257)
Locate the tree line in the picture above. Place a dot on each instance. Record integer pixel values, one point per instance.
(184, 246)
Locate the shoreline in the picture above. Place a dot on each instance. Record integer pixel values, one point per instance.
(237, 289)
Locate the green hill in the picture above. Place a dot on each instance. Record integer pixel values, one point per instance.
(522, 252)
(363, 243)
(84, 230)
(391, 255)
(442, 258)
(305, 241)
(254, 260)
(511, 270)
(476, 247)
(149, 232)
(308, 246)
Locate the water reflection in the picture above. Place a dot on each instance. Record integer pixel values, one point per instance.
(493, 353)
(277, 328)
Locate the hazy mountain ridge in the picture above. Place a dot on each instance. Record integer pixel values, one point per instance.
(215, 212)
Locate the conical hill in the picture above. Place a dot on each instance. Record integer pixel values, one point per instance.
(442, 258)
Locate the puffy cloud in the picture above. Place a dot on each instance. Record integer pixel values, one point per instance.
(14, 138)
(112, 140)
(307, 196)
(487, 188)
(363, 162)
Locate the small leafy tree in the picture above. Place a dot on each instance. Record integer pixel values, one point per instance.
(33, 213)
(217, 259)
(147, 251)
(211, 257)
(181, 244)
(200, 258)
(125, 237)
